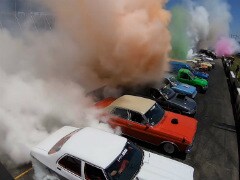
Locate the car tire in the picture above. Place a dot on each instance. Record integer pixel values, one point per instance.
(169, 148)
(201, 90)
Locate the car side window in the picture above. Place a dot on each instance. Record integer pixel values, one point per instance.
(122, 113)
(72, 164)
(184, 76)
(137, 117)
(93, 173)
(154, 93)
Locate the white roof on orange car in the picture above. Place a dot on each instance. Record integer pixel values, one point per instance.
(134, 103)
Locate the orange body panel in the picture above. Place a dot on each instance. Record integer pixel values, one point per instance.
(181, 134)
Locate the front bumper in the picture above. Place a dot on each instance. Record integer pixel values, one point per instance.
(189, 148)
(192, 112)
(205, 88)
(194, 94)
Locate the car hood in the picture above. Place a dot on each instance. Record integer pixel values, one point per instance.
(183, 102)
(185, 88)
(185, 127)
(201, 74)
(159, 167)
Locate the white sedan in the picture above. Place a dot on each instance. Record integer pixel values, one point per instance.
(92, 154)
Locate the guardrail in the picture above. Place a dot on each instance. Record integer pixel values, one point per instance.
(234, 88)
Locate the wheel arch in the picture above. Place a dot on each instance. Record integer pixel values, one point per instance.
(175, 145)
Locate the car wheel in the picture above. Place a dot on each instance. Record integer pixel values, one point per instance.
(169, 148)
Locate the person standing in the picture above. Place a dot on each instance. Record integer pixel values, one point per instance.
(237, 71)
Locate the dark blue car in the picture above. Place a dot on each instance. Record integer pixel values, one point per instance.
(176, 66)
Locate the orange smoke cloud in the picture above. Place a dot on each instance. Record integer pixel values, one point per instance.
(119, 42)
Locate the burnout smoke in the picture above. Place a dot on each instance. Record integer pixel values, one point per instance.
(44, 75)
(226, 47)
(209, 22)
(178, 28)
(119, 42)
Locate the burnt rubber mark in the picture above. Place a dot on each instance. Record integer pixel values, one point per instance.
(224, 126)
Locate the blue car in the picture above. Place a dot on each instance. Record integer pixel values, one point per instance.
(176, 66)
(179, 87)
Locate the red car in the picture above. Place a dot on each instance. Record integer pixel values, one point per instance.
(145, 120)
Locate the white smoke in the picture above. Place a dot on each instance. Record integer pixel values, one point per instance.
(199, 24)
(44, 75)
(38, 94)
(41, 173)
(210, 21)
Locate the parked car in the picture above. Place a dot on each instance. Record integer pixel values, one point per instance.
(92, 154)
(186, 76)
(172, 101)
(176, 66)
(145, 120)
(201, 58)
(199, 66)
(179, 87)
(209, 53)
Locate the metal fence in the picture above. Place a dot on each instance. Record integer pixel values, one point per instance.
(15, 13)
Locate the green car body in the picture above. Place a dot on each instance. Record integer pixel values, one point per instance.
(186, 76)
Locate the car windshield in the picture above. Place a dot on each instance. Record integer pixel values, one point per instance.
(191, 75)
(191, 69)
(168, 93)
(155, 114)
(127, 164)
(174, 81)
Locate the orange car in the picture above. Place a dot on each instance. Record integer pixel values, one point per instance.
(145, 120)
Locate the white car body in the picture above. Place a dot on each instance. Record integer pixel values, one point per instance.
(100, 149)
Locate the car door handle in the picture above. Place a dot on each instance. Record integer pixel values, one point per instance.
(59, 168)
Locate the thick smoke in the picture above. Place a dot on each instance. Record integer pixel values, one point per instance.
(178, 27)
(199, 25)
(226, 47)
(44, 75)
(119, 42)
(210, 21)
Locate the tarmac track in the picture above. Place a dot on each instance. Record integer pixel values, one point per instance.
(215, 152)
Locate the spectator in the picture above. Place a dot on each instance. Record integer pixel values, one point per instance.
(237, 70)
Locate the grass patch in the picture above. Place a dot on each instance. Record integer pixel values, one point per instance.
(236, 62)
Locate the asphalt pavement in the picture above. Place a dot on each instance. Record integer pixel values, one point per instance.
(215, 152)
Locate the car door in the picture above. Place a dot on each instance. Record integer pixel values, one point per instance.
(91, 172)
(120, 118)
(157, 96)
(140, 129)
(185, 78)
(70, 167)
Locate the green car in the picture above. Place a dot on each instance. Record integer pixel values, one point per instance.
(186, 76)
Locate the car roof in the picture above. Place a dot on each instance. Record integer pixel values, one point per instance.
(184, 70)
(95, 146)
(134, 103)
